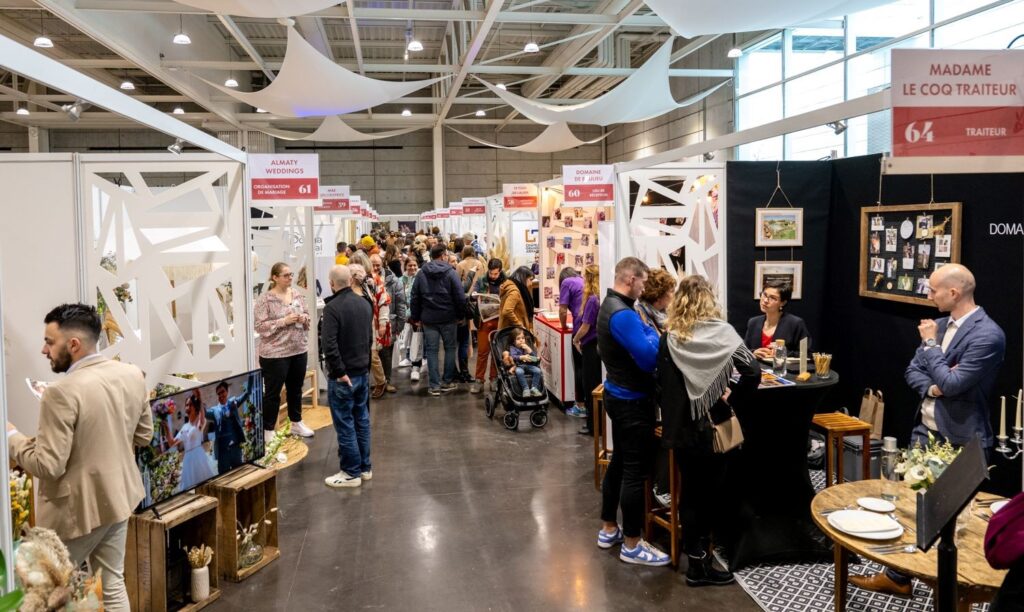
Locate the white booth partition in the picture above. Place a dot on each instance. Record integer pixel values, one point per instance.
(676, 216)
(512, 234)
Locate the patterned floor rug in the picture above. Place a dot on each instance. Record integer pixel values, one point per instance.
(810, 586)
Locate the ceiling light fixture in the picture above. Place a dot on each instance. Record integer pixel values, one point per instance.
(22, 110)
(178, 110)
(260, 110)
(127, 85)
(735, 52)
(74, 111)
(531, 47)
(181, 38)
(502, 86)
(481, 113)
(176, 148)
(42, 41)
(406, 112)
(411, 43)
(710, 155)
(837, 126)
(231, 82)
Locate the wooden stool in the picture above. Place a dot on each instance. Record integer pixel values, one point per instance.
(313, 391)
(838, 426)
(602, 454)
(665, 517)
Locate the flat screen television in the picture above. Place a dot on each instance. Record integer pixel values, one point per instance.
(201, 433)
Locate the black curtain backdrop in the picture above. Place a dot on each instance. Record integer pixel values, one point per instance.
(873, 340)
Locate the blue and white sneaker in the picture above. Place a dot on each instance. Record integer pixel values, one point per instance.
(607, 540)
(644, 554)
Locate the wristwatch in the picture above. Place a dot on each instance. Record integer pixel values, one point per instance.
(930, 343)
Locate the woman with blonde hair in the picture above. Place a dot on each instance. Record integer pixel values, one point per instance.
(282, 321)
(696, 357)
(585, 341)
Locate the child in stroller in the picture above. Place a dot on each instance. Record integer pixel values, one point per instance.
(521, 360)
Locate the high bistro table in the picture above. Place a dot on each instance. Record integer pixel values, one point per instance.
(977, 581)
(766, 516)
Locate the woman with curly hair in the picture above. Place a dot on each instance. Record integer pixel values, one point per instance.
(696, 357)
(658, 291)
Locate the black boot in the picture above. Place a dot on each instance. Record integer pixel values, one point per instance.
(700, 571)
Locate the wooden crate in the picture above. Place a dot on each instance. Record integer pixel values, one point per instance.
(153, 541)
(245, 495)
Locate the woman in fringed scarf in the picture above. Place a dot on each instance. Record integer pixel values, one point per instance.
(696, 359)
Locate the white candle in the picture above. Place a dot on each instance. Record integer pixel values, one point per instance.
(1020, 393)
(1002, 417)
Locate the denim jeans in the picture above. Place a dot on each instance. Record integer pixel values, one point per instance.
(463, 338)
(433, 337)
(350, 412)
(634, 443)
(535, 374)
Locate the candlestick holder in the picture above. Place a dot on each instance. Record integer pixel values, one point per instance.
(1008, 451)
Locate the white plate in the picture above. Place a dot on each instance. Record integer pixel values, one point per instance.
(999, 505)
(875, 504)
(841, 517)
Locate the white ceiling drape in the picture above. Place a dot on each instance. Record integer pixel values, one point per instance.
(311, 85)
(690, 18)
(645, 94)
(333, 129)
(556, 137)
(268, 9)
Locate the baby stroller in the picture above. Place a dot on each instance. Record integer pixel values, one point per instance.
(507, 391)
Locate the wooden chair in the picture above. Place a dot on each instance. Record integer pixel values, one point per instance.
(667, 518)
(838, 426)
(602, 454)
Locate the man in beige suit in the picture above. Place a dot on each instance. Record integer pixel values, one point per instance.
(83, 453)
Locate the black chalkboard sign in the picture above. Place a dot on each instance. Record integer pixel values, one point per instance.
(900, 246)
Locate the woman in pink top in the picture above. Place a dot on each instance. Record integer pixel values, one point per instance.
(282, 322)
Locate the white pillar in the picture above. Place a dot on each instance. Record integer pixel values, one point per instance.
(439, 199)
(38, 140)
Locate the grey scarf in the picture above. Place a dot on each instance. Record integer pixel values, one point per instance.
(706, 362)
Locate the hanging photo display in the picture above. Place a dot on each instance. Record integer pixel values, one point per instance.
(902, 245)
(569, 237)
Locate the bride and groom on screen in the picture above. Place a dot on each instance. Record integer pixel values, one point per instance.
(198, 464)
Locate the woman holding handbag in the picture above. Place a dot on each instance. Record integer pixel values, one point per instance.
(695, 363)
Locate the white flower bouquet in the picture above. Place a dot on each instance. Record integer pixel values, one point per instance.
(921, 466)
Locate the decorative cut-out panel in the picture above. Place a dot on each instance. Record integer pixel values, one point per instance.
(162, 260)
(676, 218)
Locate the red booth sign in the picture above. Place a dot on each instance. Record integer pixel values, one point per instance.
(284, 180)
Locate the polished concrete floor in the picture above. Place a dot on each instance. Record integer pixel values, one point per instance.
(460, 515)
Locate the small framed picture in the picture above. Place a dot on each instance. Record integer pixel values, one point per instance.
(908, 263)
(568, 221)
(548, 293)
(558, 213)
(578, 261)
(585, 240)
(550, 273)
(877, 223)
(943, 245)
(545, 221)
(877, 264)
(791, 272)
(601, 216)
(560, 259)
(908, 249)
(588, 223)
(922, 285)
(891, 267)
(551, 242)
(779, 227)
(924, 253)
(578, 213)
(890, 240)
(567, 242)
(905, 283)
(876, 243)
(588, 259)
(924, 226)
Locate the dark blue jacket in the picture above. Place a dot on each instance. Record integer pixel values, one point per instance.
(437, 295)
(966, 374)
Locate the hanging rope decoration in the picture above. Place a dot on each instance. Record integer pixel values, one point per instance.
(778, 189)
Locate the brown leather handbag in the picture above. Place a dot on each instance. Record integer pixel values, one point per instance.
(727, 434)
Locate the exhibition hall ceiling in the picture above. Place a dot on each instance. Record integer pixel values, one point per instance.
(584, 49)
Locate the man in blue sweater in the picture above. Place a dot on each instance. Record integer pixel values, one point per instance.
(438, 303)
(629, 350)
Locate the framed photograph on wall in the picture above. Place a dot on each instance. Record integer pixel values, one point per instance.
(791, 272)
(779, 227)
(926, 236)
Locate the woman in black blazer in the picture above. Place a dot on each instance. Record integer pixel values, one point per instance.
(763, 330)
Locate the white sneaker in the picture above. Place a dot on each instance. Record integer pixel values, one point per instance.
(414, 375)
(342, 480)
(367, 475)
(405, 363)
(299, 429)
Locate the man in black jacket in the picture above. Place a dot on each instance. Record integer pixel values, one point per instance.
(438, 303)
(346, 338)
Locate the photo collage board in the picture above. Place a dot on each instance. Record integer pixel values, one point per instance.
(568, 237)
(902, 245)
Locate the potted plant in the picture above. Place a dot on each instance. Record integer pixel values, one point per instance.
(199, 558)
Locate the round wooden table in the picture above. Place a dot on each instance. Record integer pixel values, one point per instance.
(977, 580)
